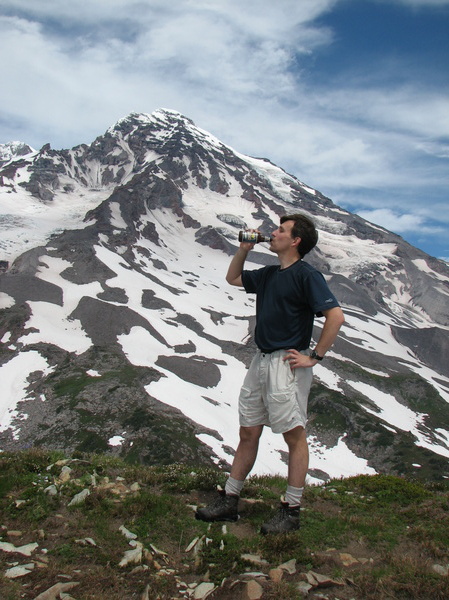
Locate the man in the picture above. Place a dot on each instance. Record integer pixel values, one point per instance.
(276, 388)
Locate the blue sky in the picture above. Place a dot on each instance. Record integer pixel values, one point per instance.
(351, 96)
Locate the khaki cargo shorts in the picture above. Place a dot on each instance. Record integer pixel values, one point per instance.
(273, 394)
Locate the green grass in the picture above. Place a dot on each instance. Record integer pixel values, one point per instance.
(396, 527)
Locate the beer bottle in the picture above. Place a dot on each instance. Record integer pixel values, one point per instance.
(253, 237)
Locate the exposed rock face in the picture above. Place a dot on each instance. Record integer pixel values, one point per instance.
(430, 345)
(122, 325)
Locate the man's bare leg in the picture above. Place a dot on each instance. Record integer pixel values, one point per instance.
(298, 456)
(246, 453)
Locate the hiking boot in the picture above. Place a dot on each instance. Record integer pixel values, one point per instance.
(223, 508)
(286, 519)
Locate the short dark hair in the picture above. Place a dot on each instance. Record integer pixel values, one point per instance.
(305, 229)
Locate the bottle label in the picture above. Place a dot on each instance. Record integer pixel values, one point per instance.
(249, 236)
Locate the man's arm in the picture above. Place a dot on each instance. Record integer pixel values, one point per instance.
(334, 319)
(234, 274)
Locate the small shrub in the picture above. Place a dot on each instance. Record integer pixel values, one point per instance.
(387, 488)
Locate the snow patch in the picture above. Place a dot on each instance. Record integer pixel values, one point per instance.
(116, 440)
(14, 377)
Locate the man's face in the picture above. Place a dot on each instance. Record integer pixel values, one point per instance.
(281, 238)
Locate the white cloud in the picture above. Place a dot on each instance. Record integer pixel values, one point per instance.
(399, 223)
(405, 108)
(220, 64)
(84, 61)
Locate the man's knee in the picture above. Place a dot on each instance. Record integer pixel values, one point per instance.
(295, 437)
(250, 435)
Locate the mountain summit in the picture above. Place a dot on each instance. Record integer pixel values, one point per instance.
(119, 333)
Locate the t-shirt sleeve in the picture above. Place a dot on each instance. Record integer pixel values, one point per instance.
(251, 280)
(319, 296)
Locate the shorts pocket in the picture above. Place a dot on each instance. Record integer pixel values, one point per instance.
(251, 405)
(282, 381)
(282, 407)
(283, 396)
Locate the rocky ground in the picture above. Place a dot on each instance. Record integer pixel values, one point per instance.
(95, 528)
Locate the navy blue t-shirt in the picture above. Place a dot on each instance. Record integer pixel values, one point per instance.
(286, 304)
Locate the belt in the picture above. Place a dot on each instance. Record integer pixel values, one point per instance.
(262, 351)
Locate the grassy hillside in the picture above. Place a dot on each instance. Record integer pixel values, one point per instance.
(94, 527)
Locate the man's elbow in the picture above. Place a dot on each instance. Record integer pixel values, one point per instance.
(340, 317)
(336, 315)
(234, 281)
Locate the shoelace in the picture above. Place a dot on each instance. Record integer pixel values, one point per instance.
(219, 501)
(282, 513)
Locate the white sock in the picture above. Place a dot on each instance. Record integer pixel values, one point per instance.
(293, 495)
(234, 486)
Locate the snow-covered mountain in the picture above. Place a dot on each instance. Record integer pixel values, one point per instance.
(119, 333)
(12, 150)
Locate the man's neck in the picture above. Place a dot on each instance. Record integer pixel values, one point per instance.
(288, 259)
